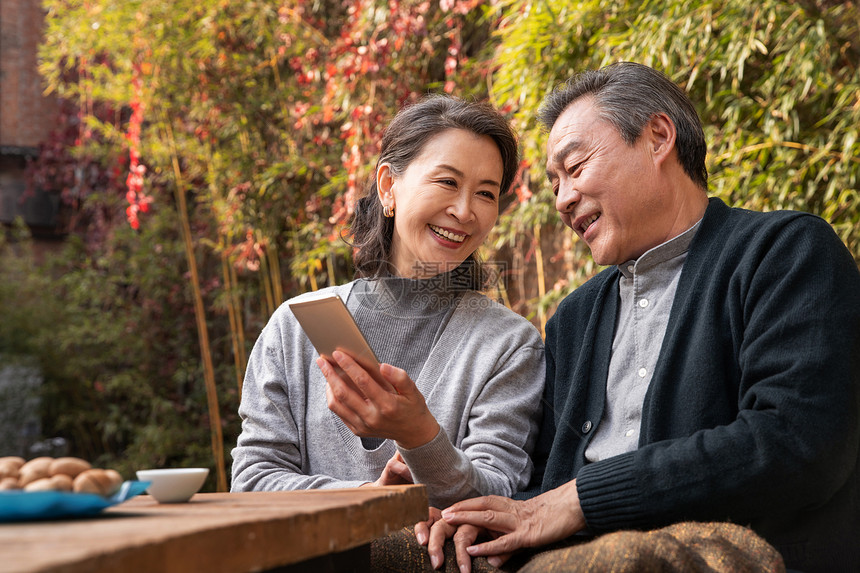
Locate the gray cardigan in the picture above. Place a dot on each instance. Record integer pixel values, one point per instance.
(482, 381)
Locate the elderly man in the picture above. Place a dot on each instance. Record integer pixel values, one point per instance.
(710, 374)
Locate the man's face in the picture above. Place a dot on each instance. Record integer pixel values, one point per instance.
(606, 191)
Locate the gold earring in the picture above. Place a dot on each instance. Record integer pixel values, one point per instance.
(387, 211)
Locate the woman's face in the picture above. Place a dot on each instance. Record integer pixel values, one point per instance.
(446, 202)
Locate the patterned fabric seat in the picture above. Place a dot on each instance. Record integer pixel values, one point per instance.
(683, 547)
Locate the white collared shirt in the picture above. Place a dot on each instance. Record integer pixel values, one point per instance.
(646, 291)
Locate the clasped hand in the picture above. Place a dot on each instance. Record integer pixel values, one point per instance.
(511, 525)
(370, 409)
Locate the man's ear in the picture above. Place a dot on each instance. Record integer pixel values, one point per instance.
(385, 184)
(661, 136)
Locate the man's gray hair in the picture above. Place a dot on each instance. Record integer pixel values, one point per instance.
(628, 95)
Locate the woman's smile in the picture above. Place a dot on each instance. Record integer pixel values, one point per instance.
(447, 236)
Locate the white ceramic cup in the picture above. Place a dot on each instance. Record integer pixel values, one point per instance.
(174, 485)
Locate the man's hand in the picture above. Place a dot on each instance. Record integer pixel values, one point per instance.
(396, 472)
(514, 525)
(368, 409)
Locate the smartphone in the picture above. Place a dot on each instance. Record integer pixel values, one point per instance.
(330, 326)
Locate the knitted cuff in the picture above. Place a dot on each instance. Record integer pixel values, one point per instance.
(608, 494)
(433, 461)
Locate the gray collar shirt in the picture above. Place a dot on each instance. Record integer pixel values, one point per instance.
(646, 290)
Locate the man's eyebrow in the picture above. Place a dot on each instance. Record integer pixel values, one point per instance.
(460, 174)
(558, 158)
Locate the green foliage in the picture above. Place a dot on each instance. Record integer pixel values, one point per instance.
(266, 115)
(114, 339)
(777, 85)
(21, 293)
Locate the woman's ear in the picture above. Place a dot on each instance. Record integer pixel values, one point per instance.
(385, 184)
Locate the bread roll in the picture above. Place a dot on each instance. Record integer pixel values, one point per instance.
(10, 466)
(8, 483)
(115, 480)
(69, 466)
(35, 469)
(61, 482)
(60, 474)
(44, 484)
(58, 482)
(97, 481)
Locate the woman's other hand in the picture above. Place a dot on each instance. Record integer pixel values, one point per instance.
(369, 410)
(396, 472)
(435, 531)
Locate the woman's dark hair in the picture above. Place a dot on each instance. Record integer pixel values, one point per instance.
(404, 139)
(628, 95)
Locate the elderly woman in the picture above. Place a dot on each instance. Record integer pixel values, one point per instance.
(456, 408)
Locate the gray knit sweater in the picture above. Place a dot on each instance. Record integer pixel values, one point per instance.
(482, 380)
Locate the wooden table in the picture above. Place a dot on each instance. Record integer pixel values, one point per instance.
(215, 532)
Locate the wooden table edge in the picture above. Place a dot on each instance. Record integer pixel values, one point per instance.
(226, 533)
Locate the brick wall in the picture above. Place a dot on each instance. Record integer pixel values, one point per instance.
(26, 116)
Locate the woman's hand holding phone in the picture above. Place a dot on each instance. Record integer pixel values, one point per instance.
(370, 410)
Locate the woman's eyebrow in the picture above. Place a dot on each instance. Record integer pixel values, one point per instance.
(460, 174)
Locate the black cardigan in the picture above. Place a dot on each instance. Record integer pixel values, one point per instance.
(753, 411)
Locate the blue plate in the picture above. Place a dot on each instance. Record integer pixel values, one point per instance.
(17, 505)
